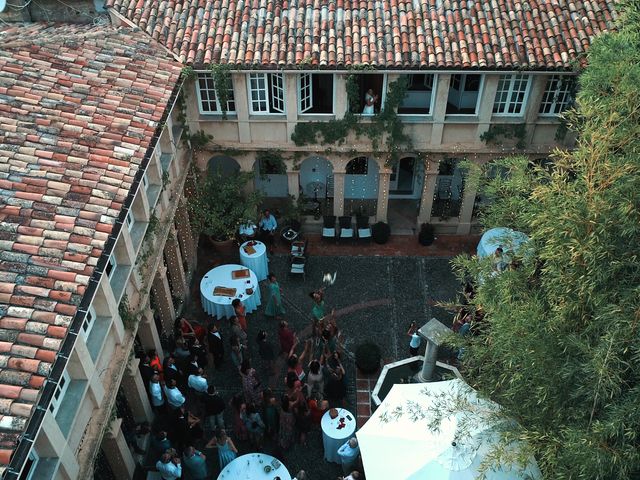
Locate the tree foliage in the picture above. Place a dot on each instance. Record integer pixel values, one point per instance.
(220, 204)
(559, 346)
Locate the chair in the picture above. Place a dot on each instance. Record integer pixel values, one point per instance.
(297, 266)
(329, 227)
(363, 228)
(299, 248)
(346, 228)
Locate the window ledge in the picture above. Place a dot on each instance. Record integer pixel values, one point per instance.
(416, 118)
(267, 117)
(461, 118)
(217, 117)
(497, 118)
(320, 117)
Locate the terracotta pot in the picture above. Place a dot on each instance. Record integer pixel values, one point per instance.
(227, 249)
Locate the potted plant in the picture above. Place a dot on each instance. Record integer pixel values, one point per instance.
(380, 232)
(219, 204)
(426, 235)
(368, 357)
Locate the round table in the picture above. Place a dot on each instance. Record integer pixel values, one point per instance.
(332, 438)
(221, 277)
(257, 262)
(251, 467)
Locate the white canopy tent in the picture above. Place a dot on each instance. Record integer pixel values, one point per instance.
(397, 443)
(508, 239)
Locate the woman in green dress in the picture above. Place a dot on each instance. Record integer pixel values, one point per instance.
(274, 307)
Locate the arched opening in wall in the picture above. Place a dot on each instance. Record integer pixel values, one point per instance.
(223, 165)
(449, 190)
(271, 179)
(361, 187)
(405, 190)
(315, 178)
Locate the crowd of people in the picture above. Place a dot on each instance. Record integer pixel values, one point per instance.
(193, 419)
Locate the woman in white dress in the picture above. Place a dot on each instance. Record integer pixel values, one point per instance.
(369, 100)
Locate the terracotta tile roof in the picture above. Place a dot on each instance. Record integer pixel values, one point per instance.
(78, 107)
(408, 34)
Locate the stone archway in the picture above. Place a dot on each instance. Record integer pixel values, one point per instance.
(223, 165)
(406, 182)
(270, 177)
(361, 182)
(317, 183)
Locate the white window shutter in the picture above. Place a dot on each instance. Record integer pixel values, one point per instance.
(305, 93)
(277, 92)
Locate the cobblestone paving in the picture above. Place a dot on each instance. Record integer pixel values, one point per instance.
(375, 298)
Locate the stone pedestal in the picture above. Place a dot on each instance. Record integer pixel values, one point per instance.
(432, 332)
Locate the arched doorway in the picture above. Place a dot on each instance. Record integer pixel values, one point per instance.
(361, 186)
(405, 191)
(223, 165)
(316, 185)
(271, 175)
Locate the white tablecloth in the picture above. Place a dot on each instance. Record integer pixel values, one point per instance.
(248, 229)
(221, 277)
(257, 262)
(332, 438)
(251, 467)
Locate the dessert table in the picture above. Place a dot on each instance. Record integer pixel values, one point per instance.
(254, 466)
(332, 436)
(257, 260)
(220, 305)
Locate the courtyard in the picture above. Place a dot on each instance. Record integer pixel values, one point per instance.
(376, 295)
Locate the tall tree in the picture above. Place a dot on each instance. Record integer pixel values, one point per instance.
(559, 347)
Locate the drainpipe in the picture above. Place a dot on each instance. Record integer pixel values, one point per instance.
(433, 332)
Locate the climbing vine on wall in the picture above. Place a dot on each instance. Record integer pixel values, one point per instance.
(384, 125)
(498, 133)
(223, 85)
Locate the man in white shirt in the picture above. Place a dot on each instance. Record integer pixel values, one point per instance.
(155, 391)
(175, 399)
(268, 226)
(198, 382)
(169, 468)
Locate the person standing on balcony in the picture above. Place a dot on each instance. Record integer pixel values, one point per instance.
(369, 101)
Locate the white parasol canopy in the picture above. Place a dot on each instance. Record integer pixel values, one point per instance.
(510, 241)
(397, 442)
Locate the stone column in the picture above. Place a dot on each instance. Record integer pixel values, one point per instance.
(538, 85)
(188, 244)
(137, 393)
(242, 106)
(148, 333)
(117, 451)
(440, 108)
(485, 110)
(428, 190)
(338, 193)
(466, 210)
(433, 331)
(291, 98)
(293, 182)
(383, 194)
(174, 264)
(162, 294)
(340, 89)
